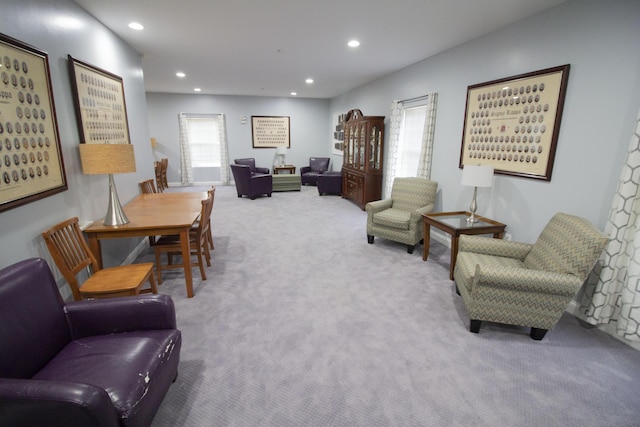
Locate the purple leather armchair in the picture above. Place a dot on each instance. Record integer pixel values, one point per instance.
(105, 362)
(317, 166)
(251, 162)
(250, 185)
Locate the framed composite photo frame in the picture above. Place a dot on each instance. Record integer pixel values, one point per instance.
(270, 131)
(31, 164)
(100, 104)
(512, 124)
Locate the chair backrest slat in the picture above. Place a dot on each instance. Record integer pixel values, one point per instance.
(69, 251)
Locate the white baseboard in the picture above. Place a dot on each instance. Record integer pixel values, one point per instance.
(142, 247)
(441, 237)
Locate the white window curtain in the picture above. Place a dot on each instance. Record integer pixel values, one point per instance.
(190, 143)
(613, 298)
(396, 131)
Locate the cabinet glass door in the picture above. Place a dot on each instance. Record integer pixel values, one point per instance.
(362, 146)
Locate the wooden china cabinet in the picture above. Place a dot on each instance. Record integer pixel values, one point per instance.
(363, 155)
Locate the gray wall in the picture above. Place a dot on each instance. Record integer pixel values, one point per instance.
(309, 119)
(599, 39)
(44, 25)
(601, 42)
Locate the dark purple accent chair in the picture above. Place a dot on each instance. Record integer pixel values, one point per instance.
(250, 185)
(251, 162)
(317, 166)
(106, 362)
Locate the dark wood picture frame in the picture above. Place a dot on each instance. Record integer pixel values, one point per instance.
(100, 104)
(32, 167)
(513, 123)
(270, 131)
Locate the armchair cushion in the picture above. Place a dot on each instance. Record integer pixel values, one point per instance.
(319, 164)
(566, 245)
(64, 364)
(393, 218)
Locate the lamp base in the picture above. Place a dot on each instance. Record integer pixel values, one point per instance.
(473, 207)
(115, 213)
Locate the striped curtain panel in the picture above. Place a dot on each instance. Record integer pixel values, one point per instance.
(395, 131)
(426, 153)
(185, 151)
(224, 150)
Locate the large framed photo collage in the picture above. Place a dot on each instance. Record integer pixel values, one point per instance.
(31, 162)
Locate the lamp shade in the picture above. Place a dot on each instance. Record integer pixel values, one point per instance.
(477, 176)
(107, 158)
(282, 150)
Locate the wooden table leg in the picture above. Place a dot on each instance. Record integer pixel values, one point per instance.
(186, 261)
(454, 255)
(426, 239)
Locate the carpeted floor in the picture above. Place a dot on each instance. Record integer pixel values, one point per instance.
(302, 323)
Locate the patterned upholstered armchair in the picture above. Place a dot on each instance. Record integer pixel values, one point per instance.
(527, 284)
(399, 218)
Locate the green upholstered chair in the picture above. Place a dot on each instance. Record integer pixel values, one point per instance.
(399, 218)
(527, 284)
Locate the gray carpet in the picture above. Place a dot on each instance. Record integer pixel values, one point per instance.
(302, 323)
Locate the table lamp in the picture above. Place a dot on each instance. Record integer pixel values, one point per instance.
(280, 152)
(108, 159)
(476, 176)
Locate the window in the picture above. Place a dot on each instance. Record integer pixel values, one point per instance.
(204, 141)
(410, 140)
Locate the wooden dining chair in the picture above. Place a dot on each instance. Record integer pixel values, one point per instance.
(211, 192)
(71, 253)
(198, 241)
(147, 186)
(157, 167)
(163, 172)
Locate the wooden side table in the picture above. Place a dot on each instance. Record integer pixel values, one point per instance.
(455, 223)
(284, 168)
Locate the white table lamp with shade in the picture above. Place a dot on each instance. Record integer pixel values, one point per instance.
(476, 176)
(281, 151)
(109, 159)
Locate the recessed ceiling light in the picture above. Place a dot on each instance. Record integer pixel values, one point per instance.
(180, 74)
(197, 89)
(353, 43)
(136, 26)
(294, 93)
(309, 81)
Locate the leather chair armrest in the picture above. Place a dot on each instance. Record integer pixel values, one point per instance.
(105, 316)
(32, 402)
(305, 169)
(495, 247)
(534, 281)
(265, 171)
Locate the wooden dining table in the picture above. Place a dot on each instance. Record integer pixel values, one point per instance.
(154, 214)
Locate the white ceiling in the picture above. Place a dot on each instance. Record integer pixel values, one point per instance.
(269, 47)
